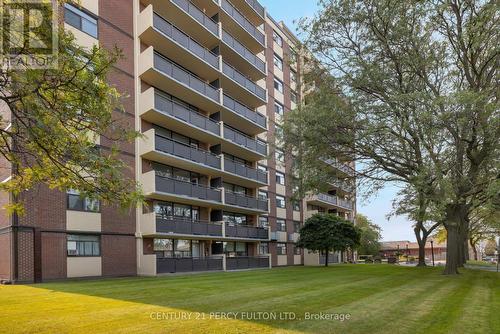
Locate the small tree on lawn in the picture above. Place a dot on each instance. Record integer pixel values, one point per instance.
(328, 232)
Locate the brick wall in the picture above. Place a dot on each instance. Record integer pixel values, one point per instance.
(118, 255)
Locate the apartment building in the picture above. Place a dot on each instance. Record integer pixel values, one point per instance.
(208, 84)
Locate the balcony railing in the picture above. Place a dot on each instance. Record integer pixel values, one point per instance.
(243, 51)
(246, 231)
(243, 22)
(256, 6)
(189, 227)
(198, 15)
(328, 198)
(187, 42)
(244, 111)
(245, 201)
(176, 72)
(178, 265)
(182, 188)
(341, 166)
(244, 171)
(166, 105)
(243, 81)
(245, 141)
(247, 262)
(187, 152)
(345, 204)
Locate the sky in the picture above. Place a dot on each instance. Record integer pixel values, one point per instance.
(378, 206)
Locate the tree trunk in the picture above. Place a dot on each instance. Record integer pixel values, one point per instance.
(421, 240)
(326, 259)
(421, 252)
(474, 249)
(452, 251)
(455, 223)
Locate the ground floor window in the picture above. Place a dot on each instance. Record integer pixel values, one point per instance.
(83, 245)
(177, 248)
(264, 248)
(296, 250)
(236, 248)
(281, 248)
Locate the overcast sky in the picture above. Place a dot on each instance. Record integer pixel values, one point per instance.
(379, 206)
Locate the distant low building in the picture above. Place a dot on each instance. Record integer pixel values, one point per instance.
(405, 247)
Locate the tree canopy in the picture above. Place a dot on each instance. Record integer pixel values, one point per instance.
(52, 121)
(370, 236)
(409, 90)
(328, 233)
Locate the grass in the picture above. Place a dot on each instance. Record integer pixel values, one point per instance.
(378, 298)
(481, 263)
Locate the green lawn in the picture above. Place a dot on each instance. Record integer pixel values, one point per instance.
(378, 298)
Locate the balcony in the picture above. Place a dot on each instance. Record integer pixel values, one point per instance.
(344, 168)
(237, 84)
(189, 18)
(242, 58)
(241, 27)
(329, 201)
(246, 232)
(166, 265)
(178, 225)
(160, 72)
(238, 115)
(247, 262)
(170, 152)
(253, 149)
(252, 9)
(168, 189)
(158, 108)
(170, 41)
(244, 201)
(241, 170)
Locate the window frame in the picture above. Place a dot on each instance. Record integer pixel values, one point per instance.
(279, 83)
(278, 199)
(83, 15)
(77, 242)
(280, 176)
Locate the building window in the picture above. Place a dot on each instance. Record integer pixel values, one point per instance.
(296, 226)
(236, 189)
(167, 210)
(80, 20)
(277, 38)
(263, 248)
(280, 202)
(83, 245)
(263, 195)
(262, 168)
(279, 155)
(296, 206)
(235, 249)
(278, 62)
(78, 203)
(234, 218)
(293, 56)
(281, 248)
(294, 97)
(279, 109)
(263, 221)
(280, 178)
(293, 75)
(296, 250)
(281, 225)
(278, 85)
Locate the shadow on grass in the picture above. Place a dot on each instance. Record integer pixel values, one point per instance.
(283, 292)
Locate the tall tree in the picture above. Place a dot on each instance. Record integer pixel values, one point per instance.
(370, 236)
(52, 117)
(416, 88)
(326, 233)
(420, 210)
